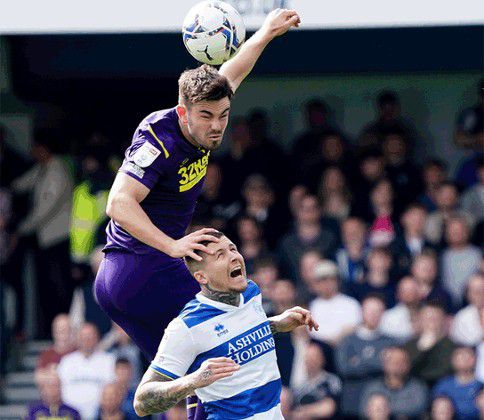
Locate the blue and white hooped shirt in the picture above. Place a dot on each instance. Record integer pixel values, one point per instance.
(206, 329)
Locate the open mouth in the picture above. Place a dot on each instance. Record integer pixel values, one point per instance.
(236, 272)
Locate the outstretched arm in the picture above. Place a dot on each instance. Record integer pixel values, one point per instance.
(156, 393)
(277, 23)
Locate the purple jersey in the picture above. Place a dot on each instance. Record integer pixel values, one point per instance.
(172, 168)
(42, 411)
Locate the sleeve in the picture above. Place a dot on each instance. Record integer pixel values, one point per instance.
(145, 160)
(176, 352)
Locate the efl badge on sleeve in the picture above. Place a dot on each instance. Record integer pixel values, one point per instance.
(145, 155)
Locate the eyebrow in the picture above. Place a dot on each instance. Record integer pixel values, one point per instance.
(226, 110)
(203, 111)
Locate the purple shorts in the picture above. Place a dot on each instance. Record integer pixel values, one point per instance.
(143, 293)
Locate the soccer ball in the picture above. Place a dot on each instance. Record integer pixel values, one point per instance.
(213, 32)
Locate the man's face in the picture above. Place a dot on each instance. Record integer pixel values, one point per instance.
(395, 362)
(408, 291)
(353, 230)
(414, 219)
(463, 360)
(224, 271)
(475, 291)
(431, 320)
(456, 232)
(424, 269)
(309, 210)
(88, 339)
(372, 313)
(206, 121)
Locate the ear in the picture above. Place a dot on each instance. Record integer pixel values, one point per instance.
(201, 277)
(182, 113)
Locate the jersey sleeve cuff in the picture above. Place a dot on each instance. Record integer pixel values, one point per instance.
(163, 372)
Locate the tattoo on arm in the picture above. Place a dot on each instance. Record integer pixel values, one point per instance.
(157, 393)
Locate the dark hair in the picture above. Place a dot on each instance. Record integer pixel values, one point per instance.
(387, 97)
(435, 162)
(266, 261)
(204, 83)
(316, 103)
(415, 205)
(192, 264)
(122, 361)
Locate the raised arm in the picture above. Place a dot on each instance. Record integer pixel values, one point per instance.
(277, 23)
(157, 393)
(124, 208)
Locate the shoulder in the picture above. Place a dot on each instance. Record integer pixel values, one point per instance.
(160, 130)
(334, 383)
(196, 312)
(251, 291)
(348, 301)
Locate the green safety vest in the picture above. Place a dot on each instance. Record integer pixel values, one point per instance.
(88, 212)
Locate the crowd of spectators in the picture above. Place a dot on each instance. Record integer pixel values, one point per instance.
(385, 252)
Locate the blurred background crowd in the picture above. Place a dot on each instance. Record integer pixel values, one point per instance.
(382, 244)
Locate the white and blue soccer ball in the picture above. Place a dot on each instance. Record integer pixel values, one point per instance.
(213, 32)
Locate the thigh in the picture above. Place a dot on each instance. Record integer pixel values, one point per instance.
(142, 295)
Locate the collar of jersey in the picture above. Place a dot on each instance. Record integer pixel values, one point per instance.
(220, 305)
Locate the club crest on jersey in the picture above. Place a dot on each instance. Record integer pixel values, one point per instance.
(145, 155)
(220, 330)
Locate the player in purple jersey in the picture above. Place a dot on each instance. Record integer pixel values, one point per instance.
(143, 282)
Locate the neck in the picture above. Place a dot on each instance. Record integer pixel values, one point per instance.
(377, 278)
(394, 382)
(465, 377)
(229, 298)
(309, 231)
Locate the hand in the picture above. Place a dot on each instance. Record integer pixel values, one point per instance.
(212, 370)
(186, 246)
(293, 318)
(279, 21)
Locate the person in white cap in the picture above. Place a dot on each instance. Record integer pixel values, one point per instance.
(337, 314)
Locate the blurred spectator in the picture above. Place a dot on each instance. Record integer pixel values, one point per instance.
(119, 344)
(50, 185)
(430, 351)
(90, 197)
(287, 402)
(358, 356)
(284, 297)
(388, 120)
(334, 194)
(266, 272)
(85, 372)
(407, 395)
(466, 327)
(402, 173)
(434, 173)
(12, 163)
(318, 396)
(211, 205)
(262, 146)
(234, 164)
(317, 121)
(460, 259)
(111, 403)
(480, 355)
(308, 234)
(337, 314)
(411, 241)
(260, 203)
(63, 343)
(382, 216)
(371, 170)
(123, 371)
(250, 241)
(442, 409)
(398, 322)
(447, 206)
(352, 255)
(377, 408)
(331, 152)
(307, 274)
(377, 278)
(480, 403)
(463, 387)
(472, 201)
(424, 270)
(51, 405)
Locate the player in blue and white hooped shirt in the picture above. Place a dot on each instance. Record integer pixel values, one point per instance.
(221, 346)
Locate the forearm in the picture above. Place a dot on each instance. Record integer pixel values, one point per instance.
(129, 214)
(237, 69)
(273, 321)
(157, 397)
